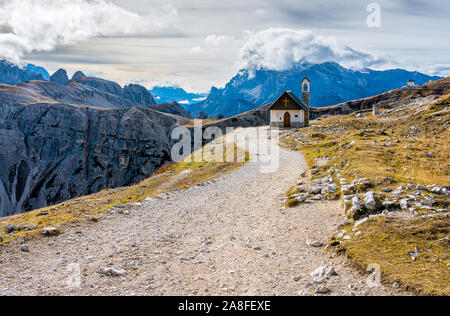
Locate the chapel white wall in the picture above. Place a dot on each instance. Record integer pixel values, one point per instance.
(278, 116)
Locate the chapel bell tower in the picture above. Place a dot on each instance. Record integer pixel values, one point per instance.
(306, 85)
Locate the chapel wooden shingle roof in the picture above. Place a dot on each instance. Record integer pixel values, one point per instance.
(294, 98)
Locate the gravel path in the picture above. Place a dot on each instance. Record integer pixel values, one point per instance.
(229, 237)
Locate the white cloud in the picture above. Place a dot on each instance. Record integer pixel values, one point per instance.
(199, 99)
(42, 25)
(197, 50)
(212, 43)
(280, 48)
(218, 40)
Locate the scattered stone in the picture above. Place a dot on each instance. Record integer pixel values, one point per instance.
(386, 190)
(24, 248)
(11, 228)
(430, 154)
(404, 204)
(112, 272)
(389, 205)
(343, 224)
(348, 189)
(91, 218)
(296, 278)
(315, 190)
(316, 244)
(324, 271)
(42, 213)
(303, 293)
(332, 187)
(369, 201)
(323, 290)
(314, 171)
(29, 227)
(436, 190)
(256, 248)
(421, 187)
(50, 231)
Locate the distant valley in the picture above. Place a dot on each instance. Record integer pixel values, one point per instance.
(175, 94)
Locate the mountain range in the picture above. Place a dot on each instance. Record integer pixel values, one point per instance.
(330, 84)
(13, 74)
(176, 94)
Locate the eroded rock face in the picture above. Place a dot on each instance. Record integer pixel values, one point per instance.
(138, 94)
(78, 75)
(12, 74)
(60, 77)
(54, 152)
(133, 93)
(64, 141)
(172, 108)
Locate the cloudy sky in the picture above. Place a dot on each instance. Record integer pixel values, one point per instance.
(199, 43)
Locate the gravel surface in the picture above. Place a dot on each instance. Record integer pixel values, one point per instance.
(229, 237)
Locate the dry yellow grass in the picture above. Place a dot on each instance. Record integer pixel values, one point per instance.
(383, 146)
(396, 145)
(387, 242)
(91, 208)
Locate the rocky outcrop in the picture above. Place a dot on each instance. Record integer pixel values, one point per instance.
(390, 99)
(75, 93)
(53, 151)
(172, 108)
(78, 75)
(101, 84)
(60, 77)
(138, 94)
(64, 141)
(12, 74)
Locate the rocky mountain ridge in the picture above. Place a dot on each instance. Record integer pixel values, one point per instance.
(330, 84)
(12, 74)
(56, 147)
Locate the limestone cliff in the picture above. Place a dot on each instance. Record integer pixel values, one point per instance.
(55, 146)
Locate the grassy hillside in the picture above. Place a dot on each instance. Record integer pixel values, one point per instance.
(394, 152)
(93, 207)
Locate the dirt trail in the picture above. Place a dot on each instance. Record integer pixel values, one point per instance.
(229, 237)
